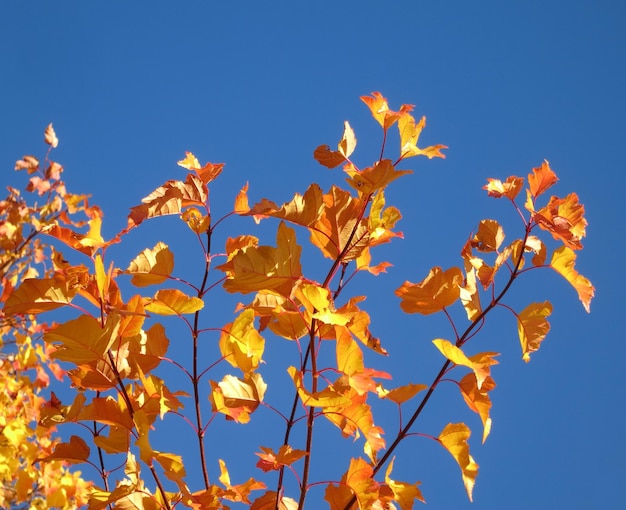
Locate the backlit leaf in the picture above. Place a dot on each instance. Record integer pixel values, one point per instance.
(38, 295)
(437, 291)
(509, 188)
(173, 302)
(409, 136)
(477, 399)
(151, 266)
(74, 452)
(533, 327)
(479, 363)
(241, 344)
(403, 493)
(50, 136)
(564, 219)
(541, 179)
(348, 141)
(454, 438)
(401, 394)
(563, 262)
(325, 398)
(489, 236)
(380, 110)
(374, 178)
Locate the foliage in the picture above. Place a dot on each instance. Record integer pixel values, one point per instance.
(114, 346)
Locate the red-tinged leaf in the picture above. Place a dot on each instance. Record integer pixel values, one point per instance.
(196, 221)
(207, 172)
(325, 398)
(409, 136)
(403, 493)
(38, 295)
(253, 269)
(541, 179)
(327, 157)
(348, 141)
(50, 137)
(509, 188)
(270, 461)
(237, 398)
(151, 266)
(173, 302)
(478, 399)
(536, 245)
(268, 502)
(241, 201)
(74, 452)
(373, 178)
(437, 291)
(564, 219)
(401, 394)
(28, 163)
(533, 327)
(241, 344)
(489, 236)
(454, 439)
(380, 110)
(563, 262)
(83, 339)
(170, 198)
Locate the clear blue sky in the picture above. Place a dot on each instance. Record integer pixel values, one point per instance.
(258, 85)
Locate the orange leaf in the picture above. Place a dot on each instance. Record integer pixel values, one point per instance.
(270, 461)
(380, 110)
(479, 363)
(29, 163)
(437, 291)
(404, 493)
(348, 141)
(564, 219)
(173, 302)
(325, 398)
(38, 295)
(241, 201)
(241, 344)
(478, 399)
(401, 394)
(541, 179)
(563, 262)
(74, 452)
(207, 172)
(373, 178)
(454, 438)
(151, 267)
(302, 210)
(268, 502)
(533, 327)
(509, 188)
(50, 136)
(489, 236)
(327, 157)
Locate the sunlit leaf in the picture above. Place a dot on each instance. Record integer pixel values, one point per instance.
(437, 291)
(173, 302)
(374, 178)
(151, 266)
(563, 262)
(409, 136)
(564, 219)
(50, 136)
(479, 363)
(477, 399)
(541, 179)
(348, 141)
(509, 188)
(403, 393)
(74, 452)
(454, 438)
(489, 236)
(403, 493)
(241, 344)
(38, 295)
(533, 327)
(328, 397)
(380, 110)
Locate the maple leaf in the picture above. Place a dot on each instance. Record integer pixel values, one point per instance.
(477, 399)
(509, 188)
(151, 266)
(374, 178)
(237, 398)
(270, 461)
(541, 179)
(380, 110)
(50, 136)
(454, 439)
(437, 291)
(76, 451)
(533, 327)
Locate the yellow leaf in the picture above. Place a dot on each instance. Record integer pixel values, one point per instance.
(241, 201)
(38, 295)
(348, 141)
(454, 439)
(409, 136)
(403, 393)
(509, 188)
(117, 441)
(173, 302)
(479, 363)
(241, 344)
(563, 262)
(403, 493)
(437, 291)
(489, 236)
(319, 304)
(151, 267)
(478, 399)
(533, 327)
(325, 398)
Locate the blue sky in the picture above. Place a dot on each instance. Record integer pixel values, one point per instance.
(258, 85)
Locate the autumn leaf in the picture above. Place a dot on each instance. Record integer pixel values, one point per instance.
(563, 262)
(241, 344)
(173, 302)
(348, 141)
(302, 210)
(270, 461)
(151, 266)
(564, 219)
(533, 327)
(509, 188)
(38, 295)
(477, 399)
(237, 398)
(328, 397)
(541, 179)
(374, 178)
(403, 393)
(268, 502)
(437, 291)
(403, 493)
(380, 110)
(454, 439)
(489, 236)
(50, 136)
(479, 363)
(74, 452)
(207, 172)
(409, 136)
